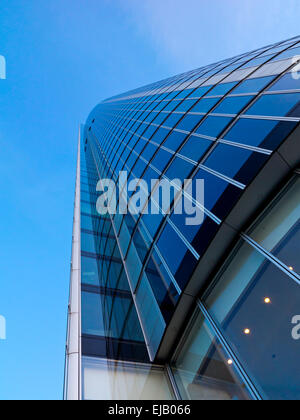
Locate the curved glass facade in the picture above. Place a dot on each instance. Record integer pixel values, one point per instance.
(222, 124)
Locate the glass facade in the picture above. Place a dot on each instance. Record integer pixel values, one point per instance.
(224, 124)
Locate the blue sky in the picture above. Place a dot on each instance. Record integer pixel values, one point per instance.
(63, 57)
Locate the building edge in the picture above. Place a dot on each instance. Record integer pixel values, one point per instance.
(72, 387)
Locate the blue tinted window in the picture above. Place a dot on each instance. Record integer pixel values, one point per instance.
(179, 169)
(151, 317)
(140, 245)
(199, 92)
(172, 120)
(172, 105)
(160, 135)
(139, 168)
(152, 222)
(277, 105)
(205, 105)
(149, 132)
(287, 82)
(233, 105)
(139, 146)
(149, 151)
(159, 119)
(222, 89)
(89, 271)
(161, 160)
(238, 302)
(239, 164)
(162, 286)
(260, 133)
(174, 140)
(189, 122)
(253, 85)
(92, 317)
(172, 248)
(186, 105)
(213, 126)
(214, 189)
(183, 93)
(195, 148)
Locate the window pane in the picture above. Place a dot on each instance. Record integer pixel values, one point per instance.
(203, 370)
(260, 133)
(186, 105)
(179, 169)
(195, 148)
(114, 381)
(88, 243)
(199, 92)
(205, 105)
(287, 82)
(213, 126)
(164, 291)
(172, 248)
(278, 231)
(277, 105)
(89, 271)
(172, 120)
(233, 105)
(161, 159)
(152, 319)
(236, 163)
(222, 88)
(254, 304)
(220, 196)
(253, 85)
(174, 140)
(92, 318)
(161, 134)
(189, 122)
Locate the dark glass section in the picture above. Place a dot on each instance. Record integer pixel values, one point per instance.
(195, 148)
(172, 248)
(164, 290)
(179, 169)
(260, 133)
(220, 196)
(282, 105)
(239, 164)
(213, 126)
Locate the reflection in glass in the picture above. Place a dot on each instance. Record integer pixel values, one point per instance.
(283, 105)
(259, 332)
(202, 368)
(110, 380)
(278, 231)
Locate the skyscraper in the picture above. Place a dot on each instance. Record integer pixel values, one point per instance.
(162, 308)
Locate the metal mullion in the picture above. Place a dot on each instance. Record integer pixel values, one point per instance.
(269, 256)
(238, 365)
